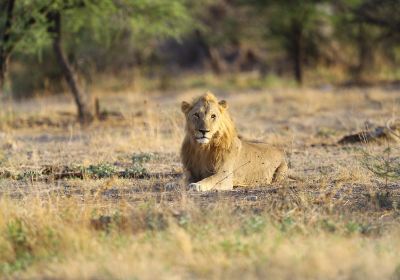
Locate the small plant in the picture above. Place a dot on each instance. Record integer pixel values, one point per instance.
(140, 158)
(353, 227)
(137, 170)
(29, 174)
(101, 171)
(384, 165)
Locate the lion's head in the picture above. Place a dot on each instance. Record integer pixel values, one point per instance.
(207, 120)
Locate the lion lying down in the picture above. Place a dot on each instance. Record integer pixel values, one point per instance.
(214, 157)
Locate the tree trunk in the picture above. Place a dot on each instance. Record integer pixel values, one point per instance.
(217, 64)
(210, 53)
(3, 71)
(82, 101)
(4, 61)
(5, 47)
(297, 52)
(365, 58)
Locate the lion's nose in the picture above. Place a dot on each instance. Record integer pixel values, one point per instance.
(203, 131)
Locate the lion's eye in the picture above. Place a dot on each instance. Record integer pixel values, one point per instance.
(196, 115)
(213, 116)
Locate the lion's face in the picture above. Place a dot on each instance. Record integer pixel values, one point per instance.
(203, 118)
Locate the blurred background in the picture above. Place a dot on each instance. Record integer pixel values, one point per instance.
(82, 47)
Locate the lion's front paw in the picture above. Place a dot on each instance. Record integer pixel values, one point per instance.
(195, 187)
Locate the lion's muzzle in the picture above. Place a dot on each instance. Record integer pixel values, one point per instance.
(202, 137)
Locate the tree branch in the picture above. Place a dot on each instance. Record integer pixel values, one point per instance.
(45, 10)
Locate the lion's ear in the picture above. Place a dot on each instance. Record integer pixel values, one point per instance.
(185, 107)
(223, 104)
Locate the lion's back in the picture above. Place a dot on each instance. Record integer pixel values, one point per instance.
(257, 164)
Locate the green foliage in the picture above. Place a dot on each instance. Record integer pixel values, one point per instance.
(114, 35)
(158, 18)
(102, 20)
(91, 28)
(283, 17)
(137, 170)
(28, 32)
(95, 171)
(106, 21)
(107, 170)
(101, 170)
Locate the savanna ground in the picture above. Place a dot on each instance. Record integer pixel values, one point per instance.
(91, 204)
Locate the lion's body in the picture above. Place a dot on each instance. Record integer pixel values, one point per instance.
(225, 160)
(258, 164)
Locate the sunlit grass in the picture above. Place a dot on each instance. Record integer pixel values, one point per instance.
(339, 221)
(73, 238)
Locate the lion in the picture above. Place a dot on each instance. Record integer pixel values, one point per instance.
(214, 157)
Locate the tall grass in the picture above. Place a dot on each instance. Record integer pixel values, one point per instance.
(89, 237)
(105, 226)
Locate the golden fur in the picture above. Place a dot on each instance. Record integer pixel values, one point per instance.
(214, 157)
(212, 154)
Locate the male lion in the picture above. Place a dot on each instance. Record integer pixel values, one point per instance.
(213, 155)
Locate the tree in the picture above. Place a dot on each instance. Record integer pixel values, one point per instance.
(382, 13)
(85, 113)
(20, 26)
(384, 17)
(5, 50)
(31, 26)
(372, 29)
(294, 25)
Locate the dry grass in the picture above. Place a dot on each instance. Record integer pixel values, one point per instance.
(340, 222)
